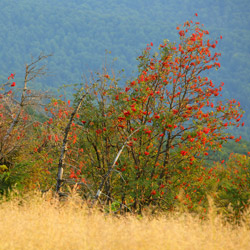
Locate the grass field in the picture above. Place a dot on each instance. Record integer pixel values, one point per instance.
(39, 223)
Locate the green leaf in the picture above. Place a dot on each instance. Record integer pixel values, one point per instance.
(3, 167)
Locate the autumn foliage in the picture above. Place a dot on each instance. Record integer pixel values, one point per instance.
(167, 122)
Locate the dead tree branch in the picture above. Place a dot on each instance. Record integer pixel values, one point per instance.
(32, 71)
(65, 145)
(98, 193)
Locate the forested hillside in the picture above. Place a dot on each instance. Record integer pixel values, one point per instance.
(79, 32)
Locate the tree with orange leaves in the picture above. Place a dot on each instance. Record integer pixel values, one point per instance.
(141, 144)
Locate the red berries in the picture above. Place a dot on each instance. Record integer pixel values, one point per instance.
(183, 152)
(153, 192)
(11, 76)
(206, 130)
(182, 33)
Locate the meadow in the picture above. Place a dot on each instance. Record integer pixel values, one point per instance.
(36, 222)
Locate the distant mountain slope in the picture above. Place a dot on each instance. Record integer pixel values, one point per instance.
(78, 33)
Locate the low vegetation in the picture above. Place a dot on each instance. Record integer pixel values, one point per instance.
(37, 223)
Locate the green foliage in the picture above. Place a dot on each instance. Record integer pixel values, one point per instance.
(13, 179)
(234, 190)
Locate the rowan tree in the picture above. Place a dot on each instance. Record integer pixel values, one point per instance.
(179, 113)
(144, 144)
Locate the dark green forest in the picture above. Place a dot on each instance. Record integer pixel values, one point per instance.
(79, 32)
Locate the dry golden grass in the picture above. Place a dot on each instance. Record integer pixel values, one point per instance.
(36, 223)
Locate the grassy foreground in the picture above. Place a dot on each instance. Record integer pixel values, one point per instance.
(38, 223)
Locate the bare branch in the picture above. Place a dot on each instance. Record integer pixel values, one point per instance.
(65, 144)
(98, 193)
(31, 72)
